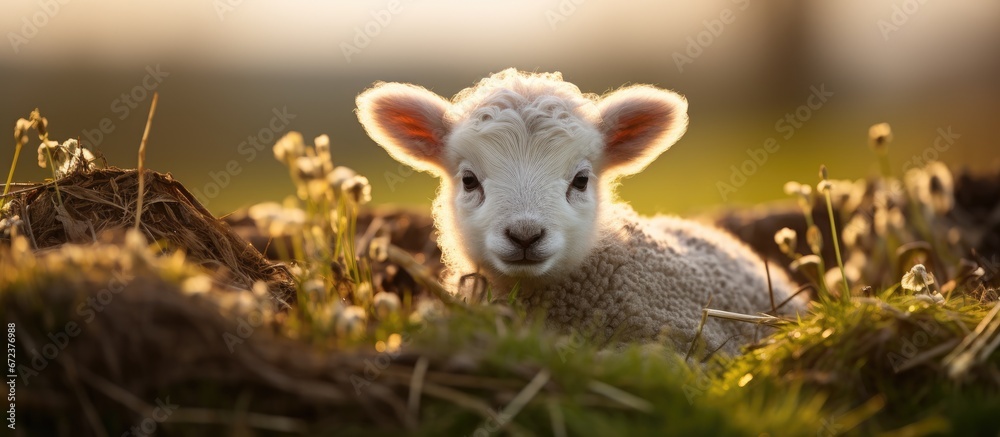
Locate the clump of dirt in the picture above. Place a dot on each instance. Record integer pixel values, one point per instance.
(171, 341)
(103, 201)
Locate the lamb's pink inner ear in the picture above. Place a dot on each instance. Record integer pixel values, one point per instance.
(631, 135)
(406, 120)
(415, 129)
(639, 124)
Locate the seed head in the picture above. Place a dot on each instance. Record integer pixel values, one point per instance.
(289, 147)
(357, 190)
(941, 187)
(386, 304)
(21, 129)
(879, 137)
(378, 249)
(352, 322)
(793, 188)
(40, 123)
(917, 280)
(786, 239)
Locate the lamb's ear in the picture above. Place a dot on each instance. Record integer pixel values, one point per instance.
(407, 121)
(639, 123)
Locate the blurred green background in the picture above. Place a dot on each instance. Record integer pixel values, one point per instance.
(226, 65)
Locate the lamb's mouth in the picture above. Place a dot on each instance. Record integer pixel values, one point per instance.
(523, 258)
(523, 263)
(524, 268)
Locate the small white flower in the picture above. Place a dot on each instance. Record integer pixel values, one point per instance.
(786, 239)
(289, 147)
(378, 249)
(940, 187)
(856, 230)
(66, 157)
(197, 284)
(315, 289)
(917, 280)
(363, 293)
(386, 304)
(290, 222)
(46, 148)
(9, 226)
(21, 129)
(276, 220)
(357, 190)
(260, 289)
(308, 168)
(264, 213)
(338, 176)
(352, 322)
(322, 144)
(793, 188)
(426, 310)
(879, 136)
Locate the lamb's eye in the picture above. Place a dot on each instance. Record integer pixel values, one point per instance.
(470, 182)
(580, 181)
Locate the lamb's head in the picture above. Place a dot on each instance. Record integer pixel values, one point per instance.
(526, 161)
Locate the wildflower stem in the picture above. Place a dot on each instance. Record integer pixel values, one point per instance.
(846, 295)
(884, 166)
(10, 176)
(52, 166)
(807, 212)
(142, 161)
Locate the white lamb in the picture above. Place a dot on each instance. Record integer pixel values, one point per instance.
(528, 166)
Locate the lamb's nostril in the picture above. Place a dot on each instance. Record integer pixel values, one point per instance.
(524, 239)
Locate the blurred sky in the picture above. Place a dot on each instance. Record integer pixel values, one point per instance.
(225, 66)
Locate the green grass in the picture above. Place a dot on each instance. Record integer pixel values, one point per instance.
(878, 362)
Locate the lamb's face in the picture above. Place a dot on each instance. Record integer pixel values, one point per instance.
(519, 156)
(523, 183)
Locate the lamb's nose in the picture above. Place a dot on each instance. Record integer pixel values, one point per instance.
(524, 236)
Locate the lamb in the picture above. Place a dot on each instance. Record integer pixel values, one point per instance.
(528, 166)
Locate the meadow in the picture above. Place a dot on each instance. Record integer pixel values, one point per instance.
(135, 309)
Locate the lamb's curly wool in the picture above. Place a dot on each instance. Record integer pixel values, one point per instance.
(647, 279)
(528, 165)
